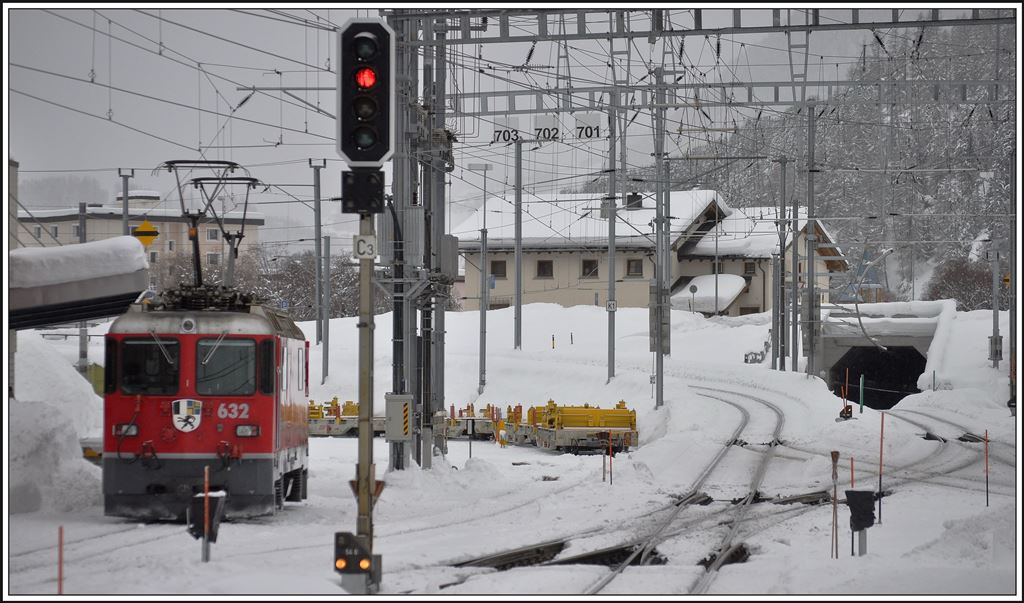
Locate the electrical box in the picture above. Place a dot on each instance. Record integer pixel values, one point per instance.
(399, 416)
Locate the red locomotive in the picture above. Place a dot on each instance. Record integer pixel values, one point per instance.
(204, 377)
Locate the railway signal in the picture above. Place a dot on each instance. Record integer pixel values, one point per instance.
(353, 561)
(366, 100)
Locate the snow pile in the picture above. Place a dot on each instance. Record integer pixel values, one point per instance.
(981, 541)
(41, 266)
(54, 407)
(703, 299)
(965, 364)
(43, 375)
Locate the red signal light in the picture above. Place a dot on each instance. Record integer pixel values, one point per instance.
(366, 77)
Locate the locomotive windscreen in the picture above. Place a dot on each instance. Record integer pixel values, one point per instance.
(150, 366)
(226, 366)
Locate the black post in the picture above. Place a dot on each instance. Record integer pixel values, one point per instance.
(193, 235)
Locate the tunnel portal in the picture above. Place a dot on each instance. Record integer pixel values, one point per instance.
(889, 375)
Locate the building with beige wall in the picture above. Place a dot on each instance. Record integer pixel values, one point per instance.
(565, 252)
(61, 226)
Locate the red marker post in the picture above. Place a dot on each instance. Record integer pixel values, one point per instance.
(206, 513)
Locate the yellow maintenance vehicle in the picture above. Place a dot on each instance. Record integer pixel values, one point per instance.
(575, 428)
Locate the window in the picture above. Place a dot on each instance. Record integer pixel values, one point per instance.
(589, 269)
(284, 368)
(498, 268)
(53, 229)
(744, 310)
(152, 257)
(716, 267)
(226, 366)
(110, 367)
(545, 269)
(267, 366)
(170, 245)
(212, 234)
(749, 267)
(634, 267)
(75, 231)
(213, 259)
(150, 366)
(38, 231)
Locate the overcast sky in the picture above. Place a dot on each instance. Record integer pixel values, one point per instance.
(91, 91)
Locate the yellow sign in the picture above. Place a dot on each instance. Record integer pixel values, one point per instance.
(145, 233)
(1006, 279)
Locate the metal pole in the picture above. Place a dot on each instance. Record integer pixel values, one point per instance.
(812, 307)
(484, 281)
(995, 348)
(485, 301)
(406, 166)
(517, 344)
(610, 305)
(1012, 287)
(438, 208)
(660, 265)
(325, 310)
(782, 267)
(718, 227)
(666, 245)
(775, 311)
(794, 321)
(429, 263)
(83, 331)
(125, 174)
(318, 282)
(365, 469)
(397, 451)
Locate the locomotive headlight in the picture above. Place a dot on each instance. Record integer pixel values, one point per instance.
(247, 431)
(122, 430)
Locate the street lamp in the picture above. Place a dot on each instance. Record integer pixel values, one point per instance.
(484, 292)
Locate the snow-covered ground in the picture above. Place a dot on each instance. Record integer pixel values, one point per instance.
(937, 536)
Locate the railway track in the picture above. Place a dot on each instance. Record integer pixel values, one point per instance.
(728, 546)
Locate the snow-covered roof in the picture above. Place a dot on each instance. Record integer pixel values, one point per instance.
(41, 266)
(574, 220)
(703, 298)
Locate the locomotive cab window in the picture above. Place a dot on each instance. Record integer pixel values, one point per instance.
(226, 366)
(150, 366)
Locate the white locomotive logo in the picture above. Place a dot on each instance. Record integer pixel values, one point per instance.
(186, 414)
